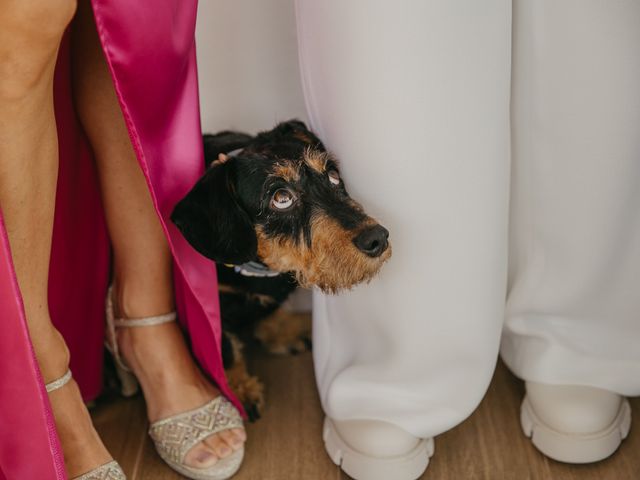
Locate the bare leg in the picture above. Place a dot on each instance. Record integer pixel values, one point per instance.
(158, 355)
(30, 33)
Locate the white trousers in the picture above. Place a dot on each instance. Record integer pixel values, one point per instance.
(468, 157)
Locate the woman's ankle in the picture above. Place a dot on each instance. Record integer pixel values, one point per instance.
(51, 352)
(145, 297)
(82, 447)
(160, 359)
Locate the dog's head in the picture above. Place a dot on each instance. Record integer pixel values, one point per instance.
(281, 201)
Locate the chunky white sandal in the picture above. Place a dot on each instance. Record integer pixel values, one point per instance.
(375, 450)
(574, 424)
(110, 470)
(174, 436)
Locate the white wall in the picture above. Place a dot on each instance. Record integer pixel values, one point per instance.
(248, 64)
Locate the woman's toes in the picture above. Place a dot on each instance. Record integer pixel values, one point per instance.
(219, 446)
(233, 440)
(240, 433)
(201, 456)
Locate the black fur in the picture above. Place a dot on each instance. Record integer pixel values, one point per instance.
(213, 222)
(220, 215)
(241, 309)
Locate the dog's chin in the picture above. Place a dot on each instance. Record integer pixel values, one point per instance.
(340, 277)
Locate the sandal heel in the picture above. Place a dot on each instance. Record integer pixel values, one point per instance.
(174, 436)
(129, 385)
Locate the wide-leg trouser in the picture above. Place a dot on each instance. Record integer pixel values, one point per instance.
(573, 311)
(414, 97)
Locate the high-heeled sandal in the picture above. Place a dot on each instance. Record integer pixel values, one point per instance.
(110, 470)
(174, 436)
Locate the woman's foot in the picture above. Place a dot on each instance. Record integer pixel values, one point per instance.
(170, 379)
(82, 448)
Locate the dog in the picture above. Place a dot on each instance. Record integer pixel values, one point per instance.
(273, 212)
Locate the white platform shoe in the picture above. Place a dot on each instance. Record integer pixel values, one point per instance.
(375, 450)
(574, 424)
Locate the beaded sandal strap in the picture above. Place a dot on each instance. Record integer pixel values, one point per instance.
(108, 471)
(145, 321)
(113, 323)
(136, 322)
(176, 435)
(58, 383)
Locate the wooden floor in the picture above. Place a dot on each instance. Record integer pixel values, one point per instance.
(286, 443)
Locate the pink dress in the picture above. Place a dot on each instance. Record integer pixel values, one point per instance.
(151, 54)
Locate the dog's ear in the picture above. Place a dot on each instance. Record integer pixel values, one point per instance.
(223, 143)
(298, 129)
(212, 220)
(295, 124)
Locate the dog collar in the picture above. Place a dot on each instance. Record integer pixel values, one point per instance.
(253, 269)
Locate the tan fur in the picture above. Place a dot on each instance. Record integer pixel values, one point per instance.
(287, 170)
(316, 159)
(333, 262)
(306, 138)
(222, 158)
(224, 288)
(284, 332)
(262, 299)
(248, 389)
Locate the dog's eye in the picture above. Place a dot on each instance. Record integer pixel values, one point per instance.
(282, 199)
(334, 177)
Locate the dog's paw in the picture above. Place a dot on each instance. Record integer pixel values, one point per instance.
(248, 388)
(250, 391)
(285, 332)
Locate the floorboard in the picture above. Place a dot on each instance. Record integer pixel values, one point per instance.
(286, 443)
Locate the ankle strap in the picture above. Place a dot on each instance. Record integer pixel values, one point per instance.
(145, 321)
(136, 322)
(59, 383)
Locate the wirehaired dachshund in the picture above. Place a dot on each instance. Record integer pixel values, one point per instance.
(273, 213)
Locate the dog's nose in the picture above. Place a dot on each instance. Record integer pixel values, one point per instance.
(372, 241)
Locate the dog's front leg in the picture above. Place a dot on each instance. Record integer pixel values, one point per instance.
(285, 332)
(248, 388)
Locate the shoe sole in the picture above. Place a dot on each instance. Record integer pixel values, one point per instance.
(223, 469)
(575, 448)
(409, 466)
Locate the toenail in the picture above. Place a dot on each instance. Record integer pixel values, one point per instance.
(205, 457)
(223, 450)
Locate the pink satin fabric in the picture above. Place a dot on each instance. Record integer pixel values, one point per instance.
(151, 54)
